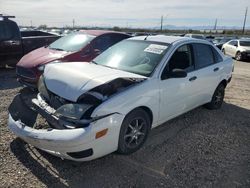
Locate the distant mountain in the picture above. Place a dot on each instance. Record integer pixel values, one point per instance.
(173, 27)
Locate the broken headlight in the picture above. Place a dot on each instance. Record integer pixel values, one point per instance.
(79, 114)
(73, 111)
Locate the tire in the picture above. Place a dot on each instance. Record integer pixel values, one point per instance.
(217, 98)
(134, 131)
(238, 56)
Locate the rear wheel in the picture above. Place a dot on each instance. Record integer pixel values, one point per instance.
(217, 98)
(134, 131)
(238, 56)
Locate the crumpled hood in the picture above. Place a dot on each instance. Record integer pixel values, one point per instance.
(41, 56)
(71, 80)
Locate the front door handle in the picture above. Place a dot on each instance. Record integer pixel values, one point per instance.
(216, 69)
(192, 78)
(11, 42)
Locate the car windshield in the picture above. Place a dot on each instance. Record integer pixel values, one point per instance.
(72, 42)
(140, 57)
(245, 43)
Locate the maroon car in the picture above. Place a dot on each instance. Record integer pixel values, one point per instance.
(83, 46)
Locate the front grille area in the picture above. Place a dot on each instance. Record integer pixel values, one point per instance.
(24, 72)
(55, 101)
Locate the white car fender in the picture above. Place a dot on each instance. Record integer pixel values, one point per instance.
(124, 102)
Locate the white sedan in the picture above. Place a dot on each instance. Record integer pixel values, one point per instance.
(239, 49)
(111, 104)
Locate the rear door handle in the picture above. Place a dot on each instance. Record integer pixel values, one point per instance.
(192, 78)
(216, 69)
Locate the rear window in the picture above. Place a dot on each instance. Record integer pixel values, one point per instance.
(8, 30)
(203, 55)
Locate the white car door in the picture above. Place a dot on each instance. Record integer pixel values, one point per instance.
(175, 92)
(208, 72)
(232, 47)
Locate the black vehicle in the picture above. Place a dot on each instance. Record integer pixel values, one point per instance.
(14, 44)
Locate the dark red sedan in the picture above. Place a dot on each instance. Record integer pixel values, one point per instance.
(83, 46)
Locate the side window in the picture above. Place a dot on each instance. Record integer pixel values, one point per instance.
(203, 55)
(13, 30)
(233, 43)
(217, 56)
(4, 31)
(182, 59)
(102, 43)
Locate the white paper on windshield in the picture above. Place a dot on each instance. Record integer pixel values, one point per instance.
(155, 48)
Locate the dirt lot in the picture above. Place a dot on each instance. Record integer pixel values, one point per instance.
(201, 148)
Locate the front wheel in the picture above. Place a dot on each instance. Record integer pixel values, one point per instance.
(223, 51)
(217, 98)
(134, 131)
(238, 56)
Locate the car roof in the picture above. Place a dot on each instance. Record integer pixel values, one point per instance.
(162, 38)
(99, 32)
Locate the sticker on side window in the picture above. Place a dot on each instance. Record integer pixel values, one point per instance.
(155, 48)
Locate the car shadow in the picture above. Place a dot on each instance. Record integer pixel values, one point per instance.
(117, 170)
(246, 60)
(8, 79)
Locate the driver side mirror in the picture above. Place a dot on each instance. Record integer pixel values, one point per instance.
(175, 73)
(236, 45)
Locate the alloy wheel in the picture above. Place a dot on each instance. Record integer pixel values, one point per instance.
(238, 56)
(135, 133)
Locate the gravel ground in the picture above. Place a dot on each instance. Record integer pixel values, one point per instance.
(201, 148)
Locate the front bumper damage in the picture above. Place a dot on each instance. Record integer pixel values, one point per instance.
(78, 144)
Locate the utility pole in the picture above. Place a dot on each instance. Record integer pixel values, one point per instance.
(161, 22)
(244, 24)
(73, 23)
(215, 25)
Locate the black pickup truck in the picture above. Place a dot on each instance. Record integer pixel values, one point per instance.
(14, 44)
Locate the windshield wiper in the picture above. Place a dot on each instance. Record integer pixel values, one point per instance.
(59, 49)
(94, 62)
(108, 66)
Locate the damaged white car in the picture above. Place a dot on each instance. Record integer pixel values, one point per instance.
(110, 104)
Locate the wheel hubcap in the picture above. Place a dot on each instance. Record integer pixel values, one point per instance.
(135, 132)
(238, 56)
(218, 97)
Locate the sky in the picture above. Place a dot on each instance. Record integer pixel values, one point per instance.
(127, 13)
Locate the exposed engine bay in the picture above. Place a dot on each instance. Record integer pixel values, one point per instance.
(61, 113)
